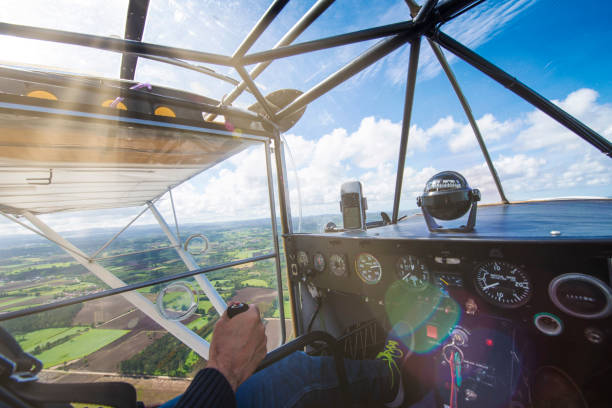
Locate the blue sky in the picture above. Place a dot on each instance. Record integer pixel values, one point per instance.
(556, 47)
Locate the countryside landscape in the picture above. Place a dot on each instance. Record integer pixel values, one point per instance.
(108, 338)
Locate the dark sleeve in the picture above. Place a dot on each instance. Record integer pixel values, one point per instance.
(209, 388)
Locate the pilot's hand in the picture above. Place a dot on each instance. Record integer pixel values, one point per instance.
(238, 345)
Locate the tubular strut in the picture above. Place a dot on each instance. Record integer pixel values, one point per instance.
(413, 65)
(468, 112)
(277, 263)
(522, 90)
(307, 19)
(217, 301)
(177, 329)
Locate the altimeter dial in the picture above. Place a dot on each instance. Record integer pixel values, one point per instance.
(368, 268)
(503, 284)
(337, 265)
(413, 271)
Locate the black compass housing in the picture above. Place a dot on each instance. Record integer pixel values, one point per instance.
(447, 196)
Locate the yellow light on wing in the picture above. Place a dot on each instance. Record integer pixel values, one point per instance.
(42, 95)
(164, 111)
(120, 105)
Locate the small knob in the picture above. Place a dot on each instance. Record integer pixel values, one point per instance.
(470, 395)
(236, 309)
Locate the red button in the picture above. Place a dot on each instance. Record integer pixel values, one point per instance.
(432, 331)
(489, 342)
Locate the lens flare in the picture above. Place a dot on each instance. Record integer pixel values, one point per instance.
(423, 320)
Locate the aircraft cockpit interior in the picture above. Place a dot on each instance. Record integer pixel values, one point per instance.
(333, 172)
(515, 301)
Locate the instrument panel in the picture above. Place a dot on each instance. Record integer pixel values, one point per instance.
(510, 301)
(548, 287)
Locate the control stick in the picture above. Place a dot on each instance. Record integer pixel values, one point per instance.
(236, 309)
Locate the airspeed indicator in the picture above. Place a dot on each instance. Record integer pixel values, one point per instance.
(413, 271)
(502, 284)
(368, 268)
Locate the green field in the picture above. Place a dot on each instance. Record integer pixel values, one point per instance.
(198, 323)
(260, 283)
(47, 275)
(80, 346)
(30, 340)
(287, 307)
(15, 308)
(18, 300)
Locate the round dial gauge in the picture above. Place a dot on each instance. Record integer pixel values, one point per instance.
(337, 265)
(503, 284)
(302, 259)
(368, 268)
(319, 262)
(581, 295)
(413, 271)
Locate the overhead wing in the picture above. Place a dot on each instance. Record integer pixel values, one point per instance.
(55, 160)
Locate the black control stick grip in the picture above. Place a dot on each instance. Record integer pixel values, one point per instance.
(237, 308)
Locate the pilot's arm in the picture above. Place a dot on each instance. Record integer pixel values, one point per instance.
(238, 346)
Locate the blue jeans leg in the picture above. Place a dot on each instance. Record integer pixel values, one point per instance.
(300, 380)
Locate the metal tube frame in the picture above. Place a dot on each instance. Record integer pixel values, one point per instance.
(308, 18)
(146, 251)
(112, 44)
(363, 61)
(255, 91)
(468, 112)
(325, 43)
(129, 288)
(413, 66)
(177, 329)
(259, 27)
(191, 67)
(277, 263)
(523, 91)
(176, 224)
(114, 237)
(285, 215)
(209, 290)
(26, 226)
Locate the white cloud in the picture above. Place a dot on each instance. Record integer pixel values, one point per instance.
(461, 136)
(591, 171)
(543, 132)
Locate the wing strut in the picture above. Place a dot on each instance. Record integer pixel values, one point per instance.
(210, 291)
(177, 329)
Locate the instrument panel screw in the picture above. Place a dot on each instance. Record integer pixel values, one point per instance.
(470, 395)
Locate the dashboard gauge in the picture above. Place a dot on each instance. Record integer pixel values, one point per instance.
(413, 271)
(337, 265)
(449, 279)
(581, 295)
(443, 281)
(502, 284)
(368, 268)
(319, 262)
(302, 259)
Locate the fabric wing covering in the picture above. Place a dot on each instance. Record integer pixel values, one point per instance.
(61, 163)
